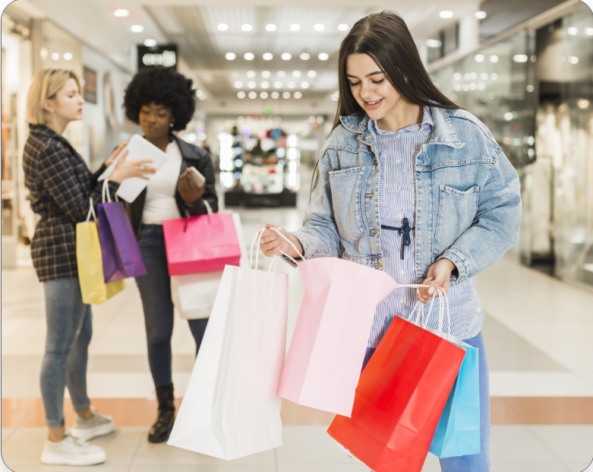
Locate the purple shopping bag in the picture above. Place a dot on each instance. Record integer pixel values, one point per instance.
(119, 248)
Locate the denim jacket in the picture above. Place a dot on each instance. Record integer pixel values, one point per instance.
(468, 203)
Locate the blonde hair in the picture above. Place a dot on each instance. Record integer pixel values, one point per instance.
(46, 84)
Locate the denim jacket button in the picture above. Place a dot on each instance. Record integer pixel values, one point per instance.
(378, 265)
(373, 231)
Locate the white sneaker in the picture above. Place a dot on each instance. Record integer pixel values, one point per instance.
(71, 451)
(98, 425)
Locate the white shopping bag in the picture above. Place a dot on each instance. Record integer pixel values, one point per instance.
(230, 408)
(194, 294)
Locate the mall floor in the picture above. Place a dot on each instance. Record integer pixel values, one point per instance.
(538, 332)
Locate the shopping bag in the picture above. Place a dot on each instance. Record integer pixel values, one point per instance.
(90, 264)
(230, 408)
(332, 331)
(399, 399)
(194, 294)
(458, 430)
(121, 254)
(205, 243)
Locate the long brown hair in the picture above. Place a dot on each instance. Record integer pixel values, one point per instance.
(385, 37)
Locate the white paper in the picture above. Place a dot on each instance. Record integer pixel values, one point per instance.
(138, 149)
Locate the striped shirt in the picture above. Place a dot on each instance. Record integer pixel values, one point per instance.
(397, 200)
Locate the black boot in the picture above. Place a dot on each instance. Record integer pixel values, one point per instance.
(161, 429)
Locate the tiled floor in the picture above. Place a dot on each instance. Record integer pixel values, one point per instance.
(537, 331)
(308, 449)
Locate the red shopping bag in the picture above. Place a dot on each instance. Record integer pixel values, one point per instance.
(399, 400)
(205, 243)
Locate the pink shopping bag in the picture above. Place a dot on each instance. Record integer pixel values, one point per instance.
(331, 336)
(205, 243)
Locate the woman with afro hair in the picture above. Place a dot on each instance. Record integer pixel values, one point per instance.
(162, 101)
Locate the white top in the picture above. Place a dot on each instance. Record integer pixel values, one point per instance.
(160, 201)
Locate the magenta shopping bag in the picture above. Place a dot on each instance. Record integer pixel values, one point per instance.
(119, 248)
(205, 243)
(332, 331)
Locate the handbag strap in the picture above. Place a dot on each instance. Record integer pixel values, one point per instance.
(91, 211)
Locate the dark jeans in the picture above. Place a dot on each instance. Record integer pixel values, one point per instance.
(155, 292)
(69, 332)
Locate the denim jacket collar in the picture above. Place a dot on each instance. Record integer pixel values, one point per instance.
(443, 131)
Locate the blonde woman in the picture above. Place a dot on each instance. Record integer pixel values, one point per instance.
(61, 187)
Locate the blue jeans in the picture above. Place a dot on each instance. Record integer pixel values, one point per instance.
(69, 332)
(474, 462)
(155, 292)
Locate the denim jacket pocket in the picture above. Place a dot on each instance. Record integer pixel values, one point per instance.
(457, 210)
(346, 188)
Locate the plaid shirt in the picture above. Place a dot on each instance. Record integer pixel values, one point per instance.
(60, 186)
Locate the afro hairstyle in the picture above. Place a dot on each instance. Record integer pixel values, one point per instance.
(163, 86)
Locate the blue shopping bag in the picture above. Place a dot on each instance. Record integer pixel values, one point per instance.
(458, 431)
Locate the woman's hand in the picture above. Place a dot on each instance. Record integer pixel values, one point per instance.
(126, 169)
(110, 161)
(272, 244)
(188, 187)
(439, 275)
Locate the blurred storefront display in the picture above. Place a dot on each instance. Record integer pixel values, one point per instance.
(533, 88)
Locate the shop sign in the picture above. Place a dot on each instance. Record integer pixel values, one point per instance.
(90, 85)
(165, 55)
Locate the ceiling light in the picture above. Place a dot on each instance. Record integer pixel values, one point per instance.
(319, 27)
(278, 84)
(286, 56)
(530, 88)
(296, 73)
(251, 74)
(291, 85)
(312, 74)
(136, 28)
(246, 27)
(241, 94)
(271, 27)
(305, 56)
(589, 31)
(323, 56)
(222, 27)
(252, 95)
(249, 56)
(230, 56)
(150, 42)
(238, 84)
(479, 58)
(305, 84)
(295, 27)
(573, 31)
(520, 58)
(275, 95)
(508, 116)
(494, 76)
(480, 15)
(343, 27)
(446, 14)
(457, 87)
(298, 95)
(583, 103)
(121, 13)
(335, 96)
(55, 56)
(265, 85)
(251, 84)
(433, 43)
(266, 73)
(268, 56)
(286, 95)
(571, 59)
(457, 76)
(68, 56)
(263, 95)
(494, 58)
(281, 73)
(484, 76)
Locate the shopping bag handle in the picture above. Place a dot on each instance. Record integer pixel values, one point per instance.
(291, 243)
(443, 308)
(258, 237)
(91, 211)
(105, 192)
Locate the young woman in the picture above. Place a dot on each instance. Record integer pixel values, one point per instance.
(61, 187)
(161, 101)
(411, 184)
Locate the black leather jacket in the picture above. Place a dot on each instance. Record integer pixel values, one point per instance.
(191, 156)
